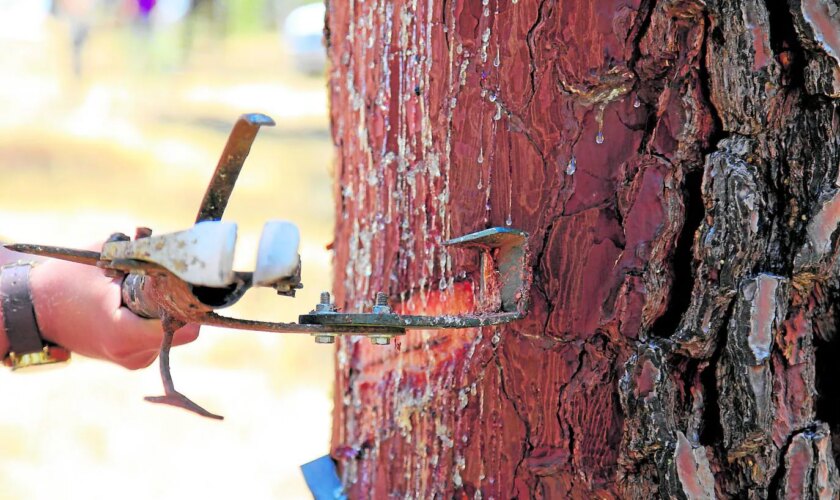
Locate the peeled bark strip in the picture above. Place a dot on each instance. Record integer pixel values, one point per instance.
(809, 469)
(745, 380)
(675, 163)
(695, 474)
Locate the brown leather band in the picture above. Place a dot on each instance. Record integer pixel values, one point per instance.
(18, 311)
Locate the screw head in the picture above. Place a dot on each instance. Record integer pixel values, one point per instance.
(380, 340)
(325, 339)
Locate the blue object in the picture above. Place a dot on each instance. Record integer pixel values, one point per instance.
(322, 479)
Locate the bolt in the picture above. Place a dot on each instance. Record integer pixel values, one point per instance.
(381, 304)
(142, 232)
(325, 339)
(380, 340)
(324, 305)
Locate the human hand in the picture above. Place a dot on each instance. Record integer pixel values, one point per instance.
(79, 308)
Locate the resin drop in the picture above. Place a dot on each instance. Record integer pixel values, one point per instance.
(571, 167)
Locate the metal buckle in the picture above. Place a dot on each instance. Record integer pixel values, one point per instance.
(47, 356)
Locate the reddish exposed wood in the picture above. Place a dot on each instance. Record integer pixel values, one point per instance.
(674, 163)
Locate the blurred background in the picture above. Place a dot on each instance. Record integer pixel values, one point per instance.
(112, 115)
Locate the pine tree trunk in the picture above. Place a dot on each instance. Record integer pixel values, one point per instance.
(676, 166)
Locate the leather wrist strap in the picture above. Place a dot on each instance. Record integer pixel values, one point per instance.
(18, 311)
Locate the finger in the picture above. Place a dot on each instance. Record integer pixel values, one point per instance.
(143, 359)
(113, 297)
(186, 334)
(146, 333)
(136, 333)
(138, 361)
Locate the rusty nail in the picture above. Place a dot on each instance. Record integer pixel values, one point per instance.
(142, 232)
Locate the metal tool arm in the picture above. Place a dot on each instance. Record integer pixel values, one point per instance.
(184, 277)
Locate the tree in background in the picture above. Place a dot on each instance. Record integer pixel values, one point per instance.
(676, 166)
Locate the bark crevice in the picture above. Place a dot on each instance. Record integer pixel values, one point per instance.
(785, 43)
(717, 132)
(827, 375)
(683, 263)
(527, 446)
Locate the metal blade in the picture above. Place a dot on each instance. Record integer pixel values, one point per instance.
(511, 253)
(87, 257)
(230, 163)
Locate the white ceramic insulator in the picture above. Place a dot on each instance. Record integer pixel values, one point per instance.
(201, 255)
(277, 257)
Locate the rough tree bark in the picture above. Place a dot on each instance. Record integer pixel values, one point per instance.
(676, 166)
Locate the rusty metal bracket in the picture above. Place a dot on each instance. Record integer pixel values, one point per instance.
(510, 247)
(503, 251)
(159, 281)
